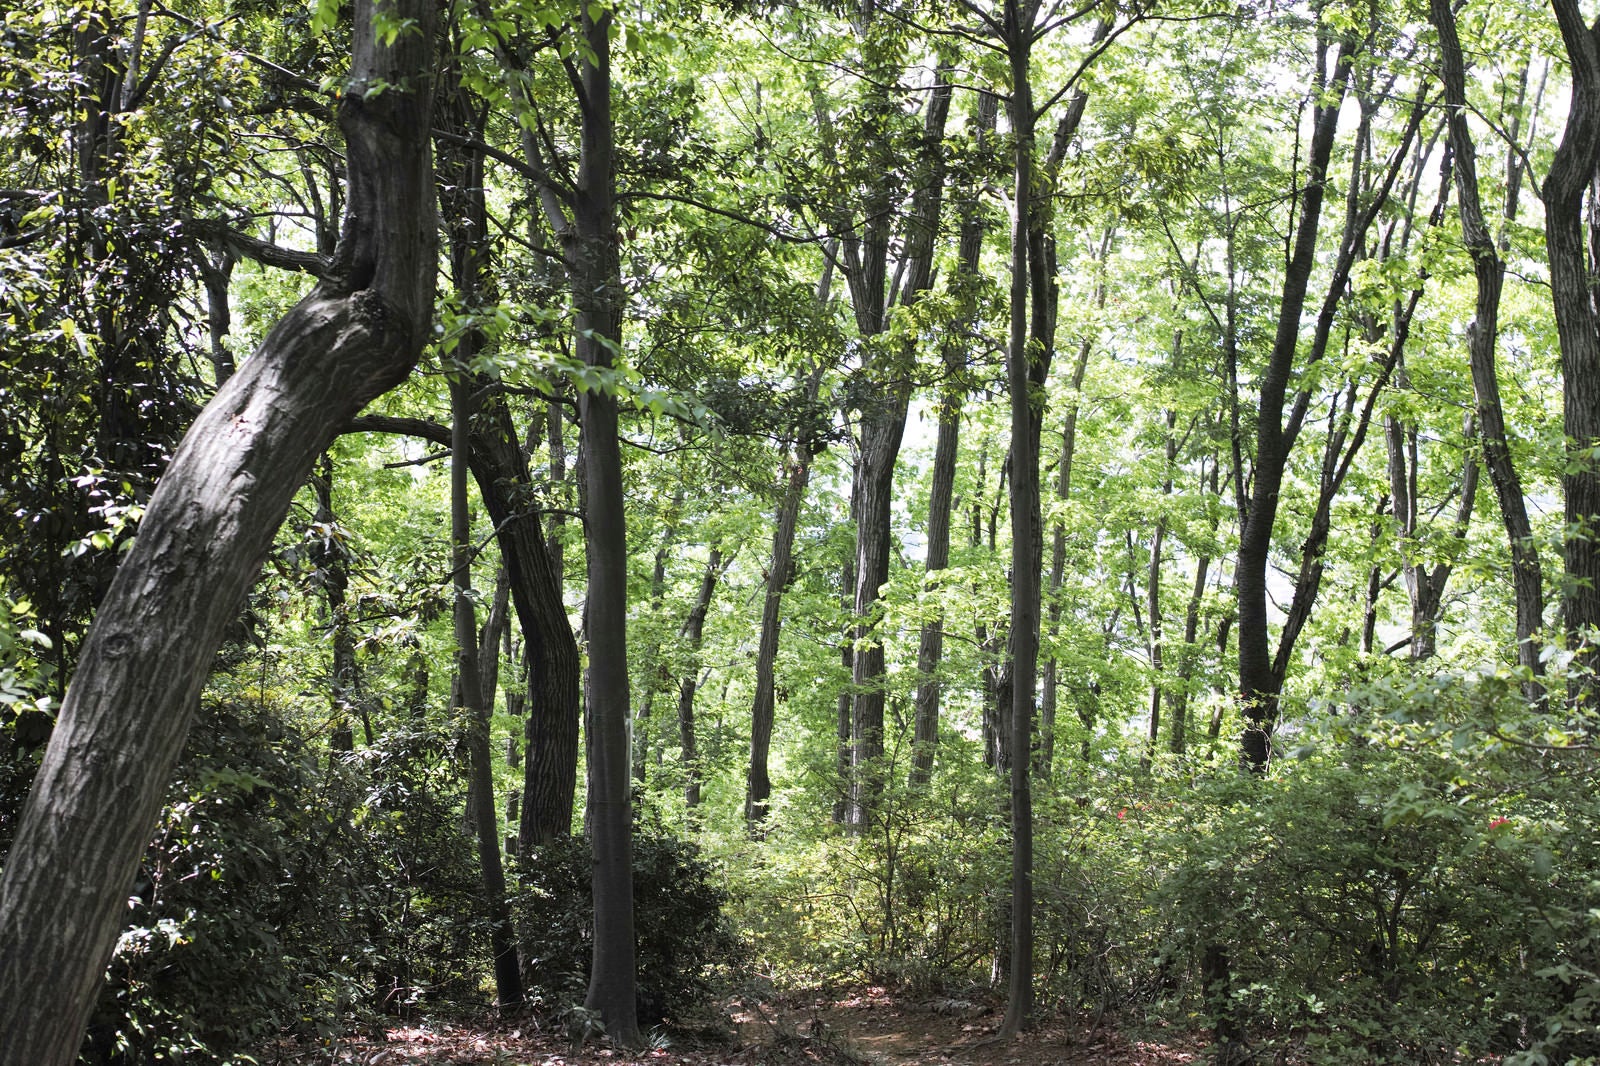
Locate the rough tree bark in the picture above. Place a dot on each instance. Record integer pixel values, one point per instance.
(1571, 177)
(208, 528)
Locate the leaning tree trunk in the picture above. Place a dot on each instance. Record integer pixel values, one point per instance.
(763, 706)
(209, 525)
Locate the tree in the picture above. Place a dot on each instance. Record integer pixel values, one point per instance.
(207, 528)
(1488, 270)
(590, 242)
(1572, 292)
(466, 221)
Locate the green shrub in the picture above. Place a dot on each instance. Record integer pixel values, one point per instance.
(1407, 886)
(683, 936)
(287, 888)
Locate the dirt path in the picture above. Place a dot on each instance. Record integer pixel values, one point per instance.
(868, 1027)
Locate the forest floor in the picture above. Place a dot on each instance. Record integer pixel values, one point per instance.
(864, 1027)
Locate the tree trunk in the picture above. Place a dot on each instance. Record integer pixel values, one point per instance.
(462, 201)
(328, 552)
(1049, 693)
(654, 673)
(1571, 176)
(598, 295)
(882, 426)
(763, 707)
(474, 704)
(1258, 687)
(1178, 736)
(209, 525)
(694, 628)
(1027, 546)
(1527, 581)
(550, 771)
(930, 643)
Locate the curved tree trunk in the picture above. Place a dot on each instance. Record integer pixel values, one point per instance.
(209, 525)
(1527, 582)
(550, 771)
(1571, 177)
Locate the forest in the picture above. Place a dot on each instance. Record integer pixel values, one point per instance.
(596, 512)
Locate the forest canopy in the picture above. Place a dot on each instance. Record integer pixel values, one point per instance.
(582, 507)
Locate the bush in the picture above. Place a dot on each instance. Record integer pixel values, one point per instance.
(1407, 887)
(287, 888)
(683, 935)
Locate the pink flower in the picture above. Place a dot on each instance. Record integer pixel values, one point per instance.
(1496, 823)
(1123, 813)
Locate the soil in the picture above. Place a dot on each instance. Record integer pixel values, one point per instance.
(861, 1027)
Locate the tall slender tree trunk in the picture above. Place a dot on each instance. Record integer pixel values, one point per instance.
(953, 393)
(1027, 546)
(1258, 684)
(1050, 681)
(333, 572)
(598, 296)
(881, 428)
(467, 225)
(207, 529)
(655, 674)
(474, 704)
(1178, 735)
(763, 707)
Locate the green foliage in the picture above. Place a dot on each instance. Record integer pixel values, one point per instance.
(684, 939)
(1397, 892)
(912, 898)
(287, 888)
